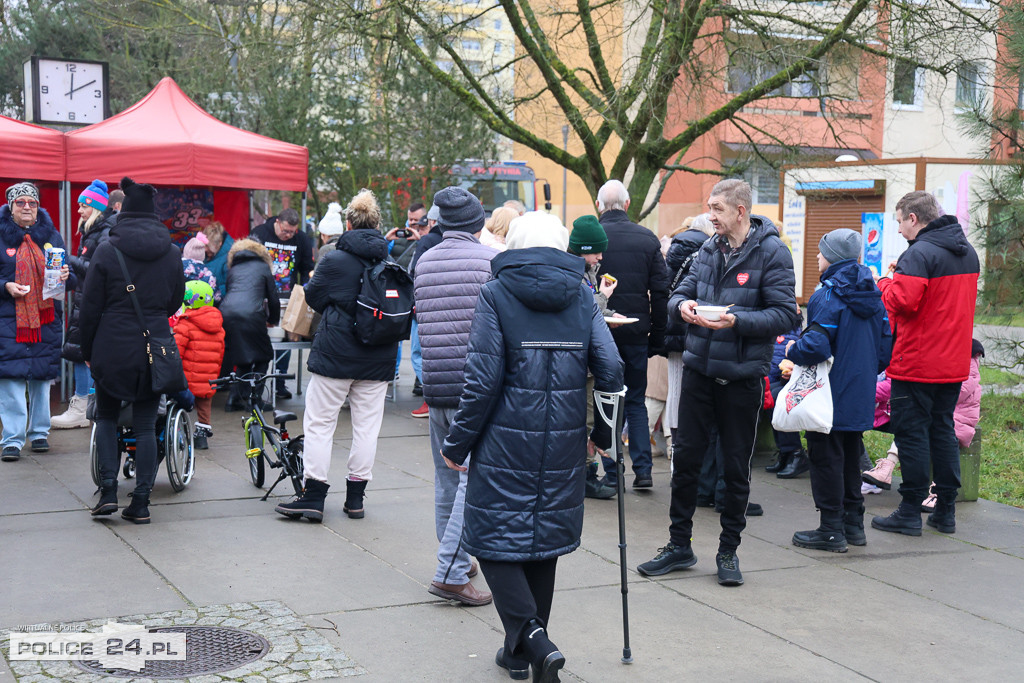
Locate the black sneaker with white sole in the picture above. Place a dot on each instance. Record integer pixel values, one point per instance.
(669, 559)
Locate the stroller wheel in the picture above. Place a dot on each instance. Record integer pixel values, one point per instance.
(129, 467)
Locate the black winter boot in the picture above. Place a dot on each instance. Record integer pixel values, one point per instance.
(944, 517)
(309, 505)
(797, 466)
(354, 491)
(542, 653)
(828, 536)
(853, 527)
(906, 519)
(780, 463)
(108, 499)
(594, 487)
(138, 510)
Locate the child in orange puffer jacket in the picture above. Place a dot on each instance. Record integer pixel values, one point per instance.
(199, 332)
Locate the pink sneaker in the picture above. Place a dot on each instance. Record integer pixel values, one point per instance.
(881, 474)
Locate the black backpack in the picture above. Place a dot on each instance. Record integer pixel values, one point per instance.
(385, 305)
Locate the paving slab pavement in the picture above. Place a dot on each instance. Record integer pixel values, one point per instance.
(940, 607)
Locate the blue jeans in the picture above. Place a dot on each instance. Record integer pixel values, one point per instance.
(453, 563)
(417, 354)
(17, 412)
(635, 358)
(83, 379)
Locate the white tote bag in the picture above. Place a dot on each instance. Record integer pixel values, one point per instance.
(805, 403)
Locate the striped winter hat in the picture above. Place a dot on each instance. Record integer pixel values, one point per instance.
(95, 195)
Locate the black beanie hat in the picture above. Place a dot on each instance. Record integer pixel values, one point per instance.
(137, 198)
(587, 236)
(459, 210)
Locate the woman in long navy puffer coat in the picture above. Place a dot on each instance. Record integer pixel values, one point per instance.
(523, 415)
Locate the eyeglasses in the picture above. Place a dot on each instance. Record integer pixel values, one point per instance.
(23, 203)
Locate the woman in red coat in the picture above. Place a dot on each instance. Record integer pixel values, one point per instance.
(199, 331)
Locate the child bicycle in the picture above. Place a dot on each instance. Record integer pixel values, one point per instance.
(266, 445)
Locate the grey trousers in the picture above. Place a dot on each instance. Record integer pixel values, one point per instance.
(453, 563)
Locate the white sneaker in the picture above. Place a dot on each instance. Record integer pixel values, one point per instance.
(866, 488)
(74, 416)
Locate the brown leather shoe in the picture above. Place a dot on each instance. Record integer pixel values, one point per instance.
(466, 593)
(474, 569)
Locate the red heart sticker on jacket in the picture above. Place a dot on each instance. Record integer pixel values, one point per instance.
(12, 251)
(742, 278)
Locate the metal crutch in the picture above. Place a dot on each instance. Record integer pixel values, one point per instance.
(605, 401)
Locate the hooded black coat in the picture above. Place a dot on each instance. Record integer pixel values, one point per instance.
(683, 246)
(337, 351)
(523, 413)
(112, 338)
(250, 304)
(91, 240)
(759, 283)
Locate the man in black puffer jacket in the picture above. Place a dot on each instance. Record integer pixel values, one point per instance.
(748, 268)
(634, 258)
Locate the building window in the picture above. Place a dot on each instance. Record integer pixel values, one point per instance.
(497, 48)
(471, 45)
(763, 181)
(1020, 90)
(968, 85)
(747, 69)
(907, 86)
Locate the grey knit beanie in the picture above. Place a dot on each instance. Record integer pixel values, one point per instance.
(459, 210)
(840, 245)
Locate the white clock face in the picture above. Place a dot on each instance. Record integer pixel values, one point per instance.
(72, 92)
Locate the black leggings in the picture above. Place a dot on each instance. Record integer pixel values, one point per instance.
(522, 591)
(144, 412)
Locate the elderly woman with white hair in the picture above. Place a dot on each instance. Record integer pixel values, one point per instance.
(536, 331)
(30, 325)
(681, 252)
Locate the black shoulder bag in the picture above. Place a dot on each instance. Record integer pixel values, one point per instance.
(167, 376)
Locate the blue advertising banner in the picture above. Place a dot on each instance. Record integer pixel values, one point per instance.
(873, 230)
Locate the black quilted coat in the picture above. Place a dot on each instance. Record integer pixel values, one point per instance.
(759, 283)
(683, 246)
(97, 235)
(523, 413)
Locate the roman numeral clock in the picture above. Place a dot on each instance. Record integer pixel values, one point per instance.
(66, 91)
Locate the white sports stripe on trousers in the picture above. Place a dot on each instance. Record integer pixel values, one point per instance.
(324, 397)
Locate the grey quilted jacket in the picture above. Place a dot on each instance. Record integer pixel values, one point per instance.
(448, 282)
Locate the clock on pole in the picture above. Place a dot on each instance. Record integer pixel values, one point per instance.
(66, 91)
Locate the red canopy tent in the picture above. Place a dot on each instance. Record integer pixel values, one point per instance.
(33, 153)
(167, 139)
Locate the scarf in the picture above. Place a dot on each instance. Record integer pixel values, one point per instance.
(31, 311)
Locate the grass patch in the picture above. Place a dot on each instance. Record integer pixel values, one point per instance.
(1000, 320)
(1002, 448)
(990, 375)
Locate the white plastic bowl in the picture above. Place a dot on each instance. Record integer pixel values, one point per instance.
(711, 312)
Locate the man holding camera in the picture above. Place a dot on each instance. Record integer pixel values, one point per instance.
(402, 241)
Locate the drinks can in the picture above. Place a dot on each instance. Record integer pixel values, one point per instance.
(55, 258)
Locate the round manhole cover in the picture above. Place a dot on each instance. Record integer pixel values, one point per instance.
(208, 650)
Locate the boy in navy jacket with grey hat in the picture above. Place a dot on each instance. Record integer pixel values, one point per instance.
(846, 321)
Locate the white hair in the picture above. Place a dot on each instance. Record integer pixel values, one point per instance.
(612, 195)
(537, 229)
(703, 223)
